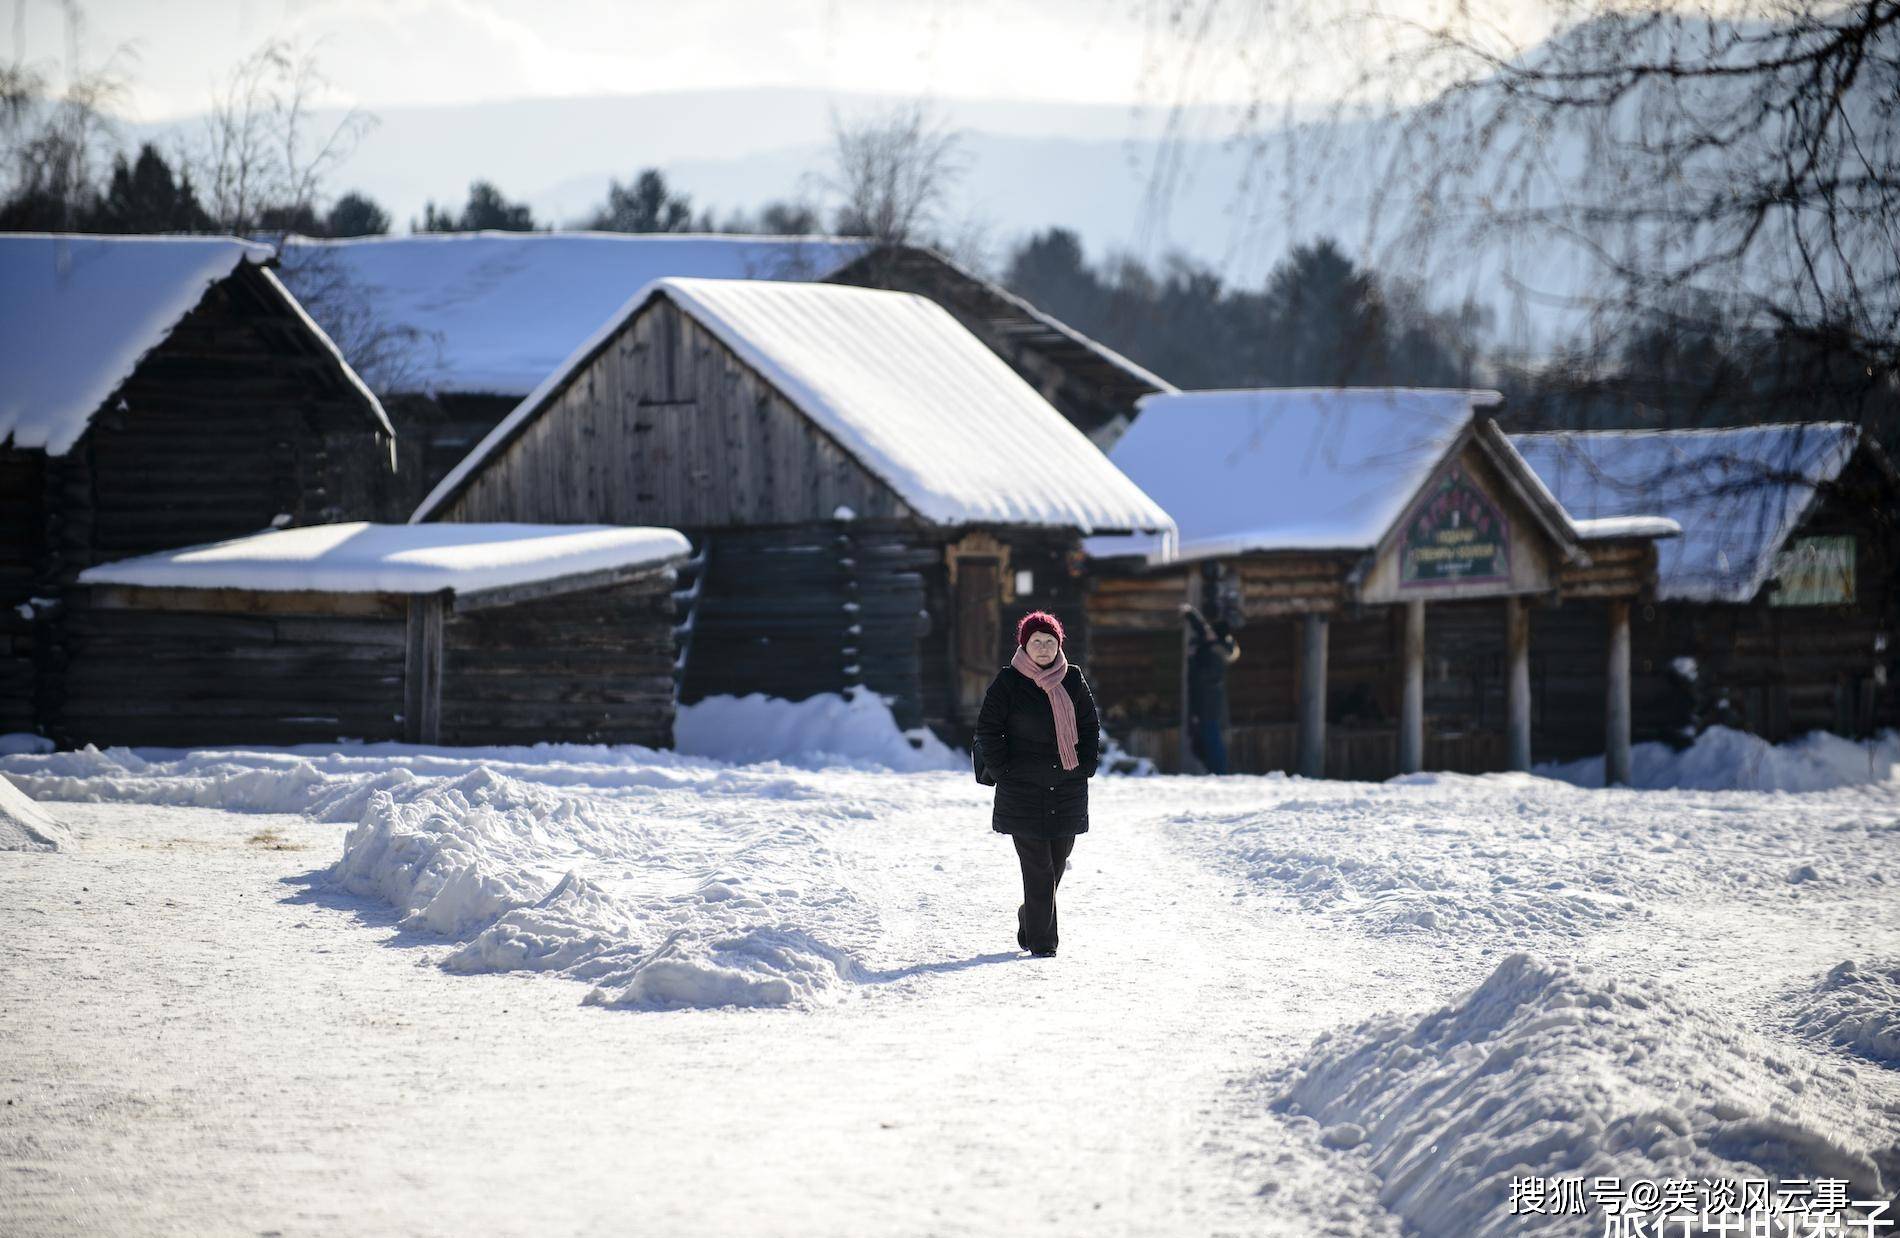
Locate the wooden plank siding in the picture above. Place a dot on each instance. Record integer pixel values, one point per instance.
(664, 426)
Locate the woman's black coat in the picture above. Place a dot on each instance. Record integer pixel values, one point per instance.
(1016, 738)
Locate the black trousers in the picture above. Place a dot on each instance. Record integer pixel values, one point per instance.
(1043, 860)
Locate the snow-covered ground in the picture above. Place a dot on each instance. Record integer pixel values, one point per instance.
(381, 990)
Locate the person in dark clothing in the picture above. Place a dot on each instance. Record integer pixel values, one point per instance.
(1211, 650)
(1039, 740)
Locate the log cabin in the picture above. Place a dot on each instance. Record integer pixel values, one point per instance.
(159, 391)
(1380, 554)
(874, 492)
(451, 634)
(454, 329)
(1774, 612)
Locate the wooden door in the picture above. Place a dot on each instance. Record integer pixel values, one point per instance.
(978, 635)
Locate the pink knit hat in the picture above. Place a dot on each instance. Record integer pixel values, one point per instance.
(1039, 621)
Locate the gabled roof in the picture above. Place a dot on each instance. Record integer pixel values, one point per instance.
(497, 312)
(78, 313)
(1303, 469)
(901, 387)
(1738, 494)
(1008, 318)
(396, 558)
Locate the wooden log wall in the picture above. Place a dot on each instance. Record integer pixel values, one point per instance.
(22, 534)
(240, 668)
(794, 612)
(590, 667)
(239, 418)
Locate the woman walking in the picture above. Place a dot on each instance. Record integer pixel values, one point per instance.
(1038, 739)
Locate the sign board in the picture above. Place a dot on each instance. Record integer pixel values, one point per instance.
(1455, 535)
(1815, 571)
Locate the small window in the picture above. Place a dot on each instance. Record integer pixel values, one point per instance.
(1025, 583)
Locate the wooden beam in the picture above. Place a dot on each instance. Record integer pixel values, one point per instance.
(1190, 764)
(1313, 696)
(1517, 645)
(1412, 693)
(422, 670)
(606, 578)
(1616, 705)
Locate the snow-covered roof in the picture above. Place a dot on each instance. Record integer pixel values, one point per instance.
(903, 388)
(396, 558)
(77, 313)
(1613, 528)
(499, 311)
(1286, 469)
(1736, 494)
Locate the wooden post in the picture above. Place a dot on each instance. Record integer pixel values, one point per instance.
(1616, 705)
(422, 670)
(1313, 695)
(1189, 764)
(1517, 643)
(1412, 696)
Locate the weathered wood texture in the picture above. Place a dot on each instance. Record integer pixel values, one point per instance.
(149, 667)
(794, 612)
(433, 433)
(1095, 394)
(23, 530)
(181, 677)
(665, 426)
(237, 419)
(593, 667)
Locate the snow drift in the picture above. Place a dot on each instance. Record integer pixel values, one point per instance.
(1551, 1070)
(24, 825)
(649, 910)
(1858, 1008)
(855, 729)
(1722, 759)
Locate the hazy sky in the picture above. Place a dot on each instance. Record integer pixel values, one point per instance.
(392, 52)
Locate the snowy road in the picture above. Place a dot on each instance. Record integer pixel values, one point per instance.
(204, 1036)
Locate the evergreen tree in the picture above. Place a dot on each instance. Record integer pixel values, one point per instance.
(355, 214)
(143, 195)
(646, 205)
(486, 209)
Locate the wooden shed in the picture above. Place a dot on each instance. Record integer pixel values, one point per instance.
(453, 634)
(1775, 612)
(874, 491)
(157, 392)
(1381, 553)
(455, 329)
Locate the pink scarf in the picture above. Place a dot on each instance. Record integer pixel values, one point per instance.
(1049, 679)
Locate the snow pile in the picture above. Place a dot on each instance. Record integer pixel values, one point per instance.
(1723, 759)
(898, 384)
(855, 729)
(77, 313)
(1556, 1072)
(359, 557)
(25, 825)
(650, 911)
(1857, 1008)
